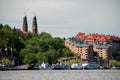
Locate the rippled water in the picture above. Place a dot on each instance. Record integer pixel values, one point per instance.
(60, 75)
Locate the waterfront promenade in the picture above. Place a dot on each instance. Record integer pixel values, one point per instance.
(60, 75)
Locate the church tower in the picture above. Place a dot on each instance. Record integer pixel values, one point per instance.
(25, 25)
(34, 25)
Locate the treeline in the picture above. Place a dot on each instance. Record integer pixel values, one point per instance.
(31, 48)
(34, 48)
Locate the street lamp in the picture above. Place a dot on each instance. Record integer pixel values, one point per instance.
(11, 53)
(13, 62)
(6, 51)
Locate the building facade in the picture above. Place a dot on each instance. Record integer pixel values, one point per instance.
(109, 39)
(80, 47)
(104, 52)
(105, 46)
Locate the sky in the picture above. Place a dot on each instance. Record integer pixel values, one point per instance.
(64, 18)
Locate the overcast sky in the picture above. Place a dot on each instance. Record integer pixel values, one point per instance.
(64, 18)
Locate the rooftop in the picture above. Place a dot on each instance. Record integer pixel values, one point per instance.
(97, 37)
(79, 42)
(102, 45)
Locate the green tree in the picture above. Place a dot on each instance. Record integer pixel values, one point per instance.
(43, 45)
(44, 36)
(118, 56)
(30, 58)
(57, 43)
(59, 53)
(42, 57)
(112, 62)
(9, 38)
(52, 56)
(5, 35)
(24, 52)
(67, 52)
(28, 36)
(6, 61)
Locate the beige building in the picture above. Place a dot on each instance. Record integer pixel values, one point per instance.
(80, 48)
(109, 39)
(104, 52)
(85, 50)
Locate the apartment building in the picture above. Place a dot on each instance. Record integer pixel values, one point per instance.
(106, 46)
(108, 39)
(104, 52)
(80, 47)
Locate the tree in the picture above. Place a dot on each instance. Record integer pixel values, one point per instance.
(28, 36)
(44, 36)
(5, 35)
(24, 52)
(59, 53)
(52, 58)
(67, 52)
(6, 61)
(30, 58)
(42, 57)
(57, 43)
(43, 45)
(118, 56)
(114, 63)
(9, 38)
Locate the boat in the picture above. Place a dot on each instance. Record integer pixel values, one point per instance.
(77, 66)
(91, 66)
(60, 66)
(45, 66)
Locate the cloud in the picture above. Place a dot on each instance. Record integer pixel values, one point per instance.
(64, 17)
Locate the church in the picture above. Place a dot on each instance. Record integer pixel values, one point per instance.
(25, 25)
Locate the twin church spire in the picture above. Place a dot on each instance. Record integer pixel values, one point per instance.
(34, 25)
(25, 25)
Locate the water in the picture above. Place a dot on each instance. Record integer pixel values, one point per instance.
(60, 75)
